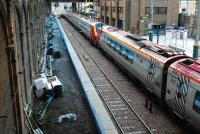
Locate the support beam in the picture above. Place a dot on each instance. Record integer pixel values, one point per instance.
(152, 2)
(110, 13)
(81, 7)
(126, 15)
(78, 7)
(105, 11)
(116, 13)
(74, 6)
(100, 8)
(196, 45)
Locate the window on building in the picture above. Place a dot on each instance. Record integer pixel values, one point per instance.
(120, 9)
(147, 10)
(113, 9)
(163, 10)
(113, 21)
(120, 24)
(156, 10)
(107, 8)
(107, 20)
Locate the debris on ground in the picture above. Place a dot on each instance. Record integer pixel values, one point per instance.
(57, 86)
(42, 114)
(50, 50)
(48, 69)
(56, 62)
(37, 131)
(57, 54)
(67, 117)
(42, 86)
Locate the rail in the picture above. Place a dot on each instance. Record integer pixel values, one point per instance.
(122, 101)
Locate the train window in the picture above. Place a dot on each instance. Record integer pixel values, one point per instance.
(108, 44)
(99, 26)
(118, 47)
(112, 43)
(196, 105)
(104, 36)
(130, 56)
(108, 40)
(123, 51)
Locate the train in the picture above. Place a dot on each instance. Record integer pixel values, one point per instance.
(171, 76)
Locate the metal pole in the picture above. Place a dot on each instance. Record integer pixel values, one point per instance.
(152, 13)
(89, 9)
(85, 6)
(151, 30)
(94, 9)
(105, 11)
(78, 7)
(81, 6)
(196, 45)
(110, 13)
(116, 13)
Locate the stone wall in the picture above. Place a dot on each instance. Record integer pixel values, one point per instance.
(21, 35)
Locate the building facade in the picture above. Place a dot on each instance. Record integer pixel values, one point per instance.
(188, 7)
(96, 7)
(135, 15)
(188, 16)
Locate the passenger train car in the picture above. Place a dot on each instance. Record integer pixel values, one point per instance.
(89, 27)
(172, 76)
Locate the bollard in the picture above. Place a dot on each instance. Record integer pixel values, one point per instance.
(151, 35)
(195, 51)
(148, 105)
(158, 35)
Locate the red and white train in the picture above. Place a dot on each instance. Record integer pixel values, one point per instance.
(172, 76)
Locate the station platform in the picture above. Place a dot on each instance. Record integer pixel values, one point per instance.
(102, 118)
(69, 102)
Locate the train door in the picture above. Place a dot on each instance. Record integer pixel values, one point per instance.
(154, 74)
(176, 93)
(192, 105)
(150, 71)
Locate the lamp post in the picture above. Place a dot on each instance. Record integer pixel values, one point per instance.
(78, 7)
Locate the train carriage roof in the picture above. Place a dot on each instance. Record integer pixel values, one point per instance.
(85, 19)
(144, 47)
(189, 68)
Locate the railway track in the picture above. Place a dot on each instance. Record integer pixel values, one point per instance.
(125, 116)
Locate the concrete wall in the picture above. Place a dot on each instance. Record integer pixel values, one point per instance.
(21, 35)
